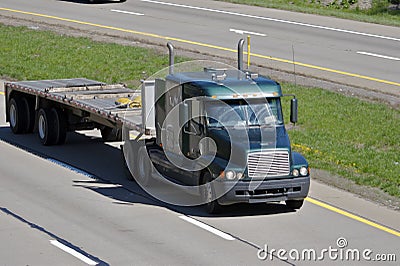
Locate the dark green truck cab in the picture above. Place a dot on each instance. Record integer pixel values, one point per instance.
(223, 131)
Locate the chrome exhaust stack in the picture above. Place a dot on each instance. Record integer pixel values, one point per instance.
(171, 57)
(240, 54)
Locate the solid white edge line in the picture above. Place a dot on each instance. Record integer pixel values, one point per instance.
(247, 32)
(70, 167)
(73, 252)
(127, 12)
(274, 19)
(207, 227)
(378, 55)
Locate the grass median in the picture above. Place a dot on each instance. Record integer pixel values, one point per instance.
(380, 11)
(32, 54)
(356, 139)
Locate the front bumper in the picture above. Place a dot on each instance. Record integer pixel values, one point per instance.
(267, 191)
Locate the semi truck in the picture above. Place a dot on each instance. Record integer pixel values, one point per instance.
(217, 131)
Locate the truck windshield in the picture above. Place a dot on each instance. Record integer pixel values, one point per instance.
(252, 112)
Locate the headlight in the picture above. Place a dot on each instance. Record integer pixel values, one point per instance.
(230, 175)
(295, 172)
(303, 171)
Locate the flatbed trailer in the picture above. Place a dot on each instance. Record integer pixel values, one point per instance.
(71, 104)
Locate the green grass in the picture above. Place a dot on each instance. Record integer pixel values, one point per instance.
(379, 13)
(29, 55)
(347, 136)
(356, 139)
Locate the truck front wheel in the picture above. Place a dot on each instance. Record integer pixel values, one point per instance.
(294, 204)
(209, 196)
(144, 168)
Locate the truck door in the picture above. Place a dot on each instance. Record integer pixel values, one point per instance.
(192, 130)
(190, 136)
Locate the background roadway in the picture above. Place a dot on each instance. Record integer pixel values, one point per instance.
(112, 221)
(349, 47)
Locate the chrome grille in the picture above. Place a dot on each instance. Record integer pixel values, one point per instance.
(268, 164)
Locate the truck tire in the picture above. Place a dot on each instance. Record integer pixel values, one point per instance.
(144, 168)
(47, 127)
(17, 112)
(111, 134)
(61, 125)
(208, 195)
(294, 204)
(30, 114)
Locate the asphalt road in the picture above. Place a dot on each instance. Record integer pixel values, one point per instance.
(72, 205)
(348, 52)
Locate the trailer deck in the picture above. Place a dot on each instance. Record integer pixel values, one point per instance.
(97, 98)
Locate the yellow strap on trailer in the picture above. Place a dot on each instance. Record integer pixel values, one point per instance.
(126, 102)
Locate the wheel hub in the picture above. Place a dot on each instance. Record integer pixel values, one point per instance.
(42, 127)
(13, 116)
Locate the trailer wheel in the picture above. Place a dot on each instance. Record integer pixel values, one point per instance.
(18, 118)
(61, 125)
(294, 204)
(30, 114)
(47, 127)
(111, 134)
(145, 168)
(208, 195)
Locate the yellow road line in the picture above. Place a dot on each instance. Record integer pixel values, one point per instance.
(205, 45)
(353, 216)
(329, 70)
(2, 93)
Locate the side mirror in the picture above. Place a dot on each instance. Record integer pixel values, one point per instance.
(293, 111)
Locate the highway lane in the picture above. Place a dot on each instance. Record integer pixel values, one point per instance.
(371, 51)
(62, 205)
(112, 221)
(109, 220)
(107, 223)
